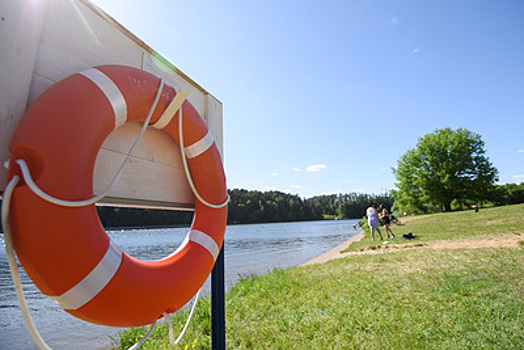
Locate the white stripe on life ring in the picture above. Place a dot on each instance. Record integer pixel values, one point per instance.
(112, 92)
(200, 146)
(93, 283)
(205, 241)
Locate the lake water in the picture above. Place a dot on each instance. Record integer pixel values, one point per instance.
(249, 250)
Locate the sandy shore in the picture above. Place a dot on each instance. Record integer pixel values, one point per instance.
(335, 252)
(510, 241)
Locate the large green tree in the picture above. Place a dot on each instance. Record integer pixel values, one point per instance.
(446, 165)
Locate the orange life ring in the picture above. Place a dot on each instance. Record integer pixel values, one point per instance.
(66, 251)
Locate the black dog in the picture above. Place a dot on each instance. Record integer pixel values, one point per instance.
(408, 236)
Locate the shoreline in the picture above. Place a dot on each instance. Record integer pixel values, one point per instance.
(334, 253)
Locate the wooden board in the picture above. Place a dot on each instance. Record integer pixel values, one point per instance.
(47, 41)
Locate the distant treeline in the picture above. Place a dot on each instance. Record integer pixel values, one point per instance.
(507, 194)
(115, 217)
(248, 207)
(494, 196)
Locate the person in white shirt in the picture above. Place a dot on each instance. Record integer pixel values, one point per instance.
(373, 222)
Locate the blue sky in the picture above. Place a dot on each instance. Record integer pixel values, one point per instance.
(325, 96)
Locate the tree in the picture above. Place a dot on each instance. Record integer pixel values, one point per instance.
(507, 194)
(446, 165)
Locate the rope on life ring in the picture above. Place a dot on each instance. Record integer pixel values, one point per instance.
(198, 245)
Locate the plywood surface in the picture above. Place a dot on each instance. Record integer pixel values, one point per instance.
(58, 38)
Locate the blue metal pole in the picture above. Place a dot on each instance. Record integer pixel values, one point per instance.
(218, 314)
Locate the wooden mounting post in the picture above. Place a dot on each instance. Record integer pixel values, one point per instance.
(218, 314)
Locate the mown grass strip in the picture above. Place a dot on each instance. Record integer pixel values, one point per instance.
(454, 226)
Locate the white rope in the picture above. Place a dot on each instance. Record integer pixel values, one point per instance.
(65, 203)
(195, 192)
(144, 338)
(15, 275)
(186, 169)
(170, 324)
(34, 187)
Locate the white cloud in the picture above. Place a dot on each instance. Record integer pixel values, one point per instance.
(296, 187)
(316, 168)
(274, 174)
(519, 177)
(416, 50)
(297, 169)
(395, 20)
(520, 151)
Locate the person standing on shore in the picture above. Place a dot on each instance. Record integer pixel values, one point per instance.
(373, 222)
(384, 216)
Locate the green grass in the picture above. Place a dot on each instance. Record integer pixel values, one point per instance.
(456, 226)
(406, 299)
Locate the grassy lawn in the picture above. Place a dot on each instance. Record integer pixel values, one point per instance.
(488, 223)
(405, 299)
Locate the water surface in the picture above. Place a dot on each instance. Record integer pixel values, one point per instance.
(249, 250)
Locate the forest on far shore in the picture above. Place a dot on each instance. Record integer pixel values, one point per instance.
(249, 207)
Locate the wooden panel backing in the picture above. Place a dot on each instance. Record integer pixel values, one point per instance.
(48, 40)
